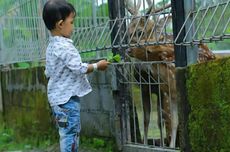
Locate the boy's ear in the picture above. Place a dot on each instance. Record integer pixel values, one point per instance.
(59, 24)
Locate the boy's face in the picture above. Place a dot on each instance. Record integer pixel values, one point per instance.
(67, 26)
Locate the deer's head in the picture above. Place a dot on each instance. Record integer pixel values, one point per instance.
(147, 29)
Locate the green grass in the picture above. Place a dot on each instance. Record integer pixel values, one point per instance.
(98, 144)
(153, 131)
(9, 142)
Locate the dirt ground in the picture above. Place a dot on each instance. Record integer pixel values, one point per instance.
(55, 148)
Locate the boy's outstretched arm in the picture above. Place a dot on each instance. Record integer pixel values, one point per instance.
(100, 65)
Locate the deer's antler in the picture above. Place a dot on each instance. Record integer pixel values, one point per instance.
(133, 8)
(150, 2)
(153, 10)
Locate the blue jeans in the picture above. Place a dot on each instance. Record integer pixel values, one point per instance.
(67, 117)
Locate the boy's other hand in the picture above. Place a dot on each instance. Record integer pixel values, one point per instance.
(102, 65)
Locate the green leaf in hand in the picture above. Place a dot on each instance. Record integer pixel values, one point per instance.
(116, 58)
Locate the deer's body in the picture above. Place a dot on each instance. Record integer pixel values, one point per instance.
(166, 72)
(144, 30)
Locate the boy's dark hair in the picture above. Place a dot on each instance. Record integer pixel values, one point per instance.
(56, 10)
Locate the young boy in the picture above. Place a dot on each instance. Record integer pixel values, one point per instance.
(66, 72)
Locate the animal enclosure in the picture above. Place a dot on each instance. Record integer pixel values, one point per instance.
(153, 37)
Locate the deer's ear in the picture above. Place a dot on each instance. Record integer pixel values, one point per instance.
(142, 20)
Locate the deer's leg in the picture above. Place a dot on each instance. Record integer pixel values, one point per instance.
(134, 125)
(160, 111)
(166, 118)
(174, 123)
(146, 109)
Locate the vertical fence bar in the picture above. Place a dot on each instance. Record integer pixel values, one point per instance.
(192, 51)
(183, 109)
(113, 14)
(94, 15)
(117, 10)
(178, 16)
(181, 8)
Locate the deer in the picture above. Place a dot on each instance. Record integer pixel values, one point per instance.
(143, 30)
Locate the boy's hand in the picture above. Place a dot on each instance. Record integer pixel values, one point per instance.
(102, 65)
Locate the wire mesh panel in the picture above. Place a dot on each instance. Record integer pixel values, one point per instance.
(147, 25)
(23, 33)
(147, 22)
(92, 28)
(209, 23)
(24, 36)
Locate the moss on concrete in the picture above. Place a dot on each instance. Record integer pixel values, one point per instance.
(26, 108)
(208, 87)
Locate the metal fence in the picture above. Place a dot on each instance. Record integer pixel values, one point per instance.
(24, 36)
(140, 29)
(207, 23)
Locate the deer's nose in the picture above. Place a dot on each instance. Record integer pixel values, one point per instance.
(128, 51)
